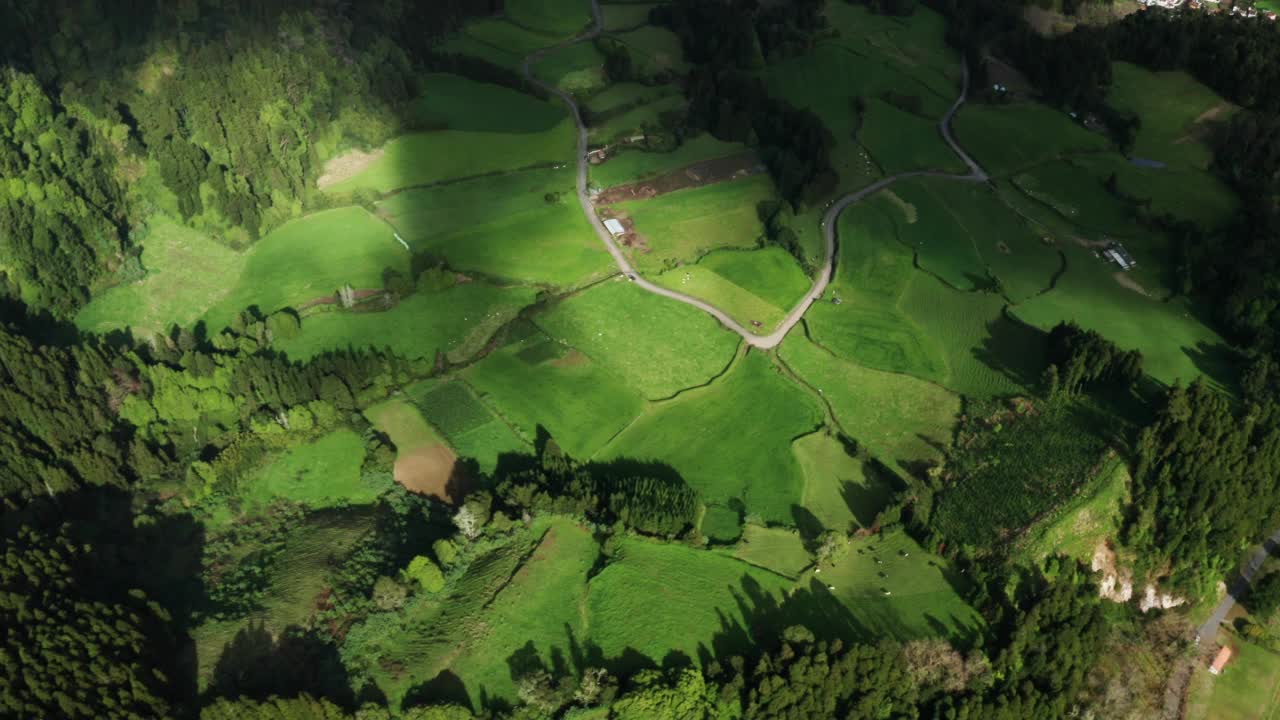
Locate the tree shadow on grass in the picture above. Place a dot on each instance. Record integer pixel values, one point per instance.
(258, 665)
(1218, 361)
(446, 687)
(1014, 350)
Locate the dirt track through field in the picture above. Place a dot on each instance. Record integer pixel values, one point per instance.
(829, 220)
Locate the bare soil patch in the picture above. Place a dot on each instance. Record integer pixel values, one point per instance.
(1199, 128)
(432, 470)
(346, 166)
(1127, 281)
(573, 358)
(699, 174)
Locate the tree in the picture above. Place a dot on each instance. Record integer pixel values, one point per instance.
(679, 695)
(468, 522)
(426, 573)
(1264, 597)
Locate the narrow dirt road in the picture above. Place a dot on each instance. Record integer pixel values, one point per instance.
(829, 220)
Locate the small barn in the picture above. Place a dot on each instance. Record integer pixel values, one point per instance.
(615, 227)
(1116, 253)
(1220, 662)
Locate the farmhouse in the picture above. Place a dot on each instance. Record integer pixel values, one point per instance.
(1220, 662)
(1116, 253)
(614, 226)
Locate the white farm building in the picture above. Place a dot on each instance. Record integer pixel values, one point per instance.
(614, 226)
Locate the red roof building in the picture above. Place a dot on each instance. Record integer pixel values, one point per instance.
(1219, 662)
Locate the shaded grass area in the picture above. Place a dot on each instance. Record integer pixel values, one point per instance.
(654, 50)
(618, 16)
(659, 346)
(680, 227)
(523, 226)
(838, 490)
(456, 322)
(539, 381)
(769, 273)
(498, 41)
(721, 524)
(1008, 138)
(1187, 194)
(731, 441)
(319, 474)
(900, 141)
(635, 165)
(1175, 109)
(454, 102)
(633, 121)
(559, 18)
(900, 419)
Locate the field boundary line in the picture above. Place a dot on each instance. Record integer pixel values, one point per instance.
(738, 353)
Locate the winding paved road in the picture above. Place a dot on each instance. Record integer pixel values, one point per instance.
(829, 220)
(1239, 585)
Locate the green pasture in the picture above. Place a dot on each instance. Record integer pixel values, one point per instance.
(320, 474)
(558, 18)
(915, 46)
(1086, 522)
(624, 16)
(1248, 689)
(769, 273)
(778, 549)
(535, 617)
(682, 226)
(895, 318)
(310, 258)
(749, 309)
(626, 94)
(577, 69)
(657, 345)
(540, 381)
(721, 524)
(732, 439)
(187, 272)
(922, 601)
(498, 41)
(1185, 193)
(457, 322)
(301, 574)
(840, 492)
(471, 429)
(634, 165)
(899, 141)
(1176, 112)
(656, 598)
(1080, 197)
(525, 227)
(654, 50)
(1006, 139)
(900, 419)
(454, 102)
(403, 423)
(1176, 345)
(631, 122)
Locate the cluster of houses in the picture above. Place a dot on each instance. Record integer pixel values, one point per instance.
(1236, 9)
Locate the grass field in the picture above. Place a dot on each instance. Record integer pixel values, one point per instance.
(471, 429)
(680, 227)
(657, 598)
(1248, 689)
(424, 462)
(319, 474)
(514, 130)
(1006, 139)
(457, 322)
(633, 121)
(621, 16)
(308, 259)
(536, 616)
(746, 307)
(1080, 197)
(186, 273)
(777, 549)
(893, 317)
(635, 165)
(1175, 344)
(627, 94)
(1185, 193)
(721, 524)
(578, 69)
(654, 50)
(731, 440)
(659, 346)
(559, 18)
(1175, 111)
(900, 141)
(837, 489)
(498, 41)
(901, 419)
(921, 603)
(540, 381)
(522, 226)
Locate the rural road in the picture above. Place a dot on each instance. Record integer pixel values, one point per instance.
(1208, 632)
(829, 220)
